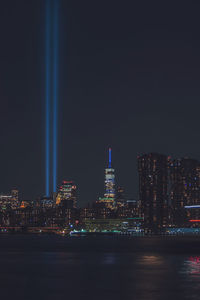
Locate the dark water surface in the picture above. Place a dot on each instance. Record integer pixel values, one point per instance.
(55, 267)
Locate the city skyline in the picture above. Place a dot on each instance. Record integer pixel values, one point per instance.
(168, 203)
(136, 92)
(100, 149)
(111, 186)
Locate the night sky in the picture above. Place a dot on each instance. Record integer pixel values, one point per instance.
(129, 78)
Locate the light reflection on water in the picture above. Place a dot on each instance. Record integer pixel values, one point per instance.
(109, 259)
(95, 269)
(191, 266)
(167, 276)
(190, 276)
(151, 260)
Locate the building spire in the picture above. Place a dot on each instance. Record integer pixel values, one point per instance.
(110, 158)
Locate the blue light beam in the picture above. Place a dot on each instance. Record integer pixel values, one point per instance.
(55, 92)
(47, 96)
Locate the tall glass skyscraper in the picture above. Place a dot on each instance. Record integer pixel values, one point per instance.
(109, 195)
(109, 179)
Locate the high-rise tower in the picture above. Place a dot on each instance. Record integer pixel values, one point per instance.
(67, 194)
(110, 179)
(153, 189)
(185, 189)
(109, 195)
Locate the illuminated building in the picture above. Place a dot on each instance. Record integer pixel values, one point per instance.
(185, 189)
(120, 198)
(109, 197)
(46, 202)
(10, 200)
(130, 209)
(126, 225)
(106, 202)
(66, 195)
(15, 195)
(153, 190)
(110, 180)
(88, 212)
(24, 204)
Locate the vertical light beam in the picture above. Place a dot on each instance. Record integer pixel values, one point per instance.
(47, 96)
(110, 157)
(55, 92)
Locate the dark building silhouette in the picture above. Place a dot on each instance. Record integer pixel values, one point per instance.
(184, 189)
(153, 190)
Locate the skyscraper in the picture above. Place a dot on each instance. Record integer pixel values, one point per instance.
(67, 194)
(153, 189)
(109, 195)
(184, 188)
(10, 200)
(110, 179)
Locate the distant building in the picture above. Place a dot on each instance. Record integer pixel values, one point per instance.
(109, 196)
(109, 180)
(184, 189)
(132, 206)
(120, 200)
(24, 204)
(9, 200)
(66, 195)
(127, 209)
(153, 190)
(15, 196)
(114, 225)
(46, 202)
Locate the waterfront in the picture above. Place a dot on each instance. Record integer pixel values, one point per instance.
(55, 267)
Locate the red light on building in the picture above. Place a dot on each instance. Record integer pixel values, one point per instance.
(193, 221)
(195, 259)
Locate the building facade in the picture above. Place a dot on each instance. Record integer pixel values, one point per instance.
(66, 195)
(184, 189)
(9, 200)
(153, 190)
(109, 196)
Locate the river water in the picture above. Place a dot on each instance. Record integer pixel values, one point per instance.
(55, 267)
